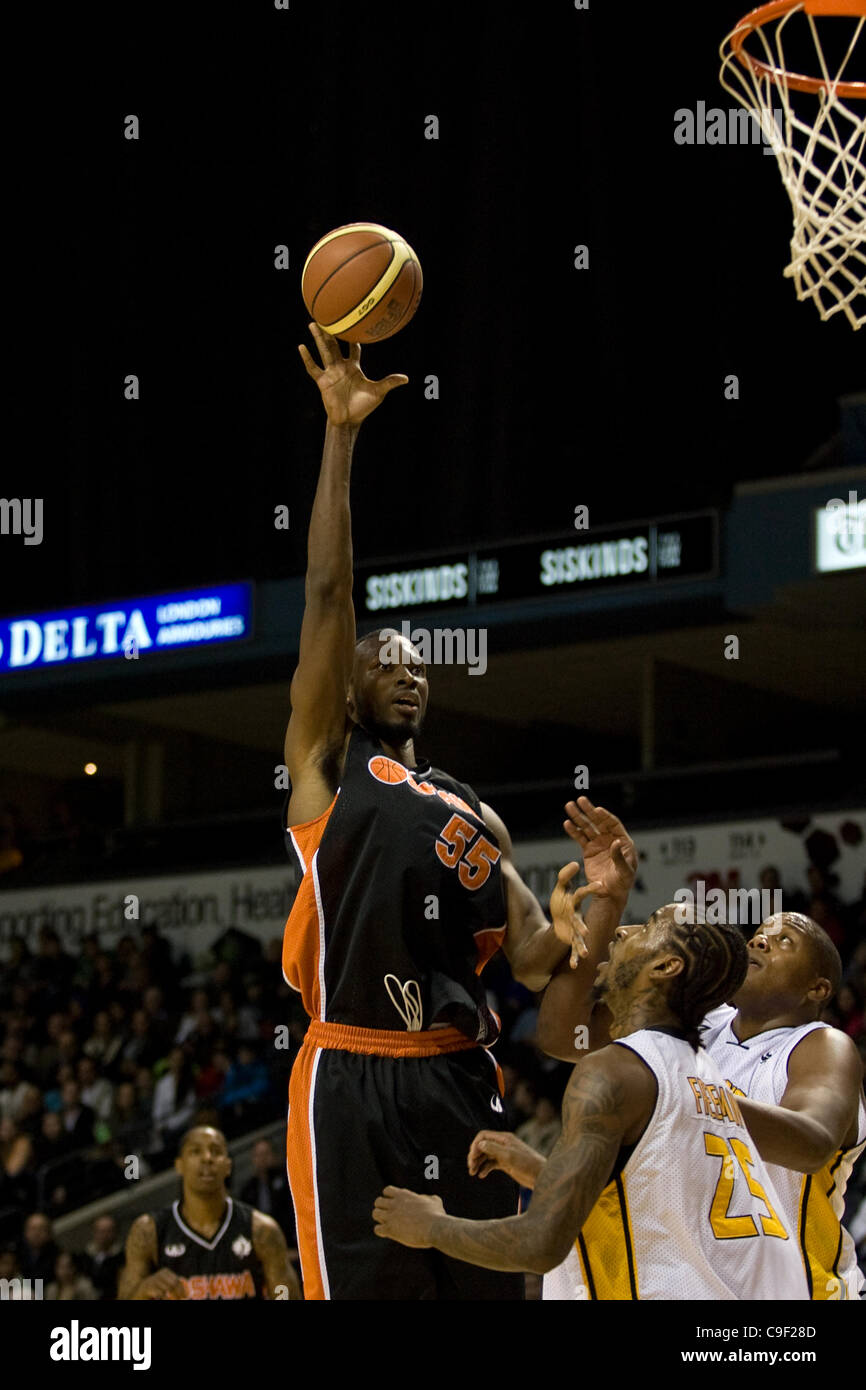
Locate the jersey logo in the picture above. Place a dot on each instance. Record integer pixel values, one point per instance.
(394, 774)
(407, 1001)
(496, 1104)
(765, 1056)
(174, 1252)
(241, 1247)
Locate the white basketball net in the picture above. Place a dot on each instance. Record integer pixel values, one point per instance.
(820, 152)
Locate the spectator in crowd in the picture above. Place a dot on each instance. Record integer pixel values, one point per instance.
(198, 1005)
(247, 1085)
(16, 1150)
(69, 1282)
(157, 953)
(77, 1118)
(30, 1110)
(824, 907)
(37, 1250)
(130, 1121)
(268, 1191)
(44, 1057)
(13, 1088)
(249, 1024)
(104, 1042)
(211, 1078)
(849, 1004)
(103, 1257)
(97, 1091)
(52, 1142)
(174, 1099)
(161, 1030)
(141, 1048)
(543, 1129)
(770, 881)
(53, 1097)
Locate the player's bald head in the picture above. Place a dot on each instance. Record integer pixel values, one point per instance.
(823, 956)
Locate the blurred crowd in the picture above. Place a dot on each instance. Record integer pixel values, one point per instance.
(110, 1055)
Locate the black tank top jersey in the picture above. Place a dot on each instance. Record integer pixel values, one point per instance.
(226, 1266)
(401, 894)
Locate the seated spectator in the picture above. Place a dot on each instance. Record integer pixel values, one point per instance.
(174, 1099)
(770, 880)
(69, 1282)
(104, 1042)
(96, 1091)
(130, 1122)
(211, 1078)
(247, 1086)
(16, 1149)
(30, 1111)
(268, 1190)
(13, 1088)
(140, 1049)
(103, 1257)
(201, 1041)
(52, 1142)
(37, 1249)
(45, 1055)
(198, 1005)
(53, 1097)
(250, 1014)
(77, 1118)
(153, 1003)
(542, 1131)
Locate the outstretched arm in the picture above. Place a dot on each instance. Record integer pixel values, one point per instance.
(608, 1102)
(817, 1114)
(320, 684)
(531, 946)
(610, 860)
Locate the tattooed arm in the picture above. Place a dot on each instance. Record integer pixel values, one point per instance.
(609, 1101)
(269, 1244)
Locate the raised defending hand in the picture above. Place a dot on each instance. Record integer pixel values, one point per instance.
(609, 855)
(567, 922)
(348, 396)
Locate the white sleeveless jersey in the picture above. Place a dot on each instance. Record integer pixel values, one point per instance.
(692, 1214)
(812, 1203)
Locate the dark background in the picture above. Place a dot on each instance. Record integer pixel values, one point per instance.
(558, 386)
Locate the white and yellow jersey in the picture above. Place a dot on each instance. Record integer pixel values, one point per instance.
(812, 1203)
(692, 1213)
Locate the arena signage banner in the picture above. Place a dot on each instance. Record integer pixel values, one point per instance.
(643, 553)
(127, 628)
(194, 910)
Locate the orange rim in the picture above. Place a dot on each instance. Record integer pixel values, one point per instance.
(775, 10)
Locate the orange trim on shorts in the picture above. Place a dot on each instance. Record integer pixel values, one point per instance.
(379, 1042)
(299, 1162)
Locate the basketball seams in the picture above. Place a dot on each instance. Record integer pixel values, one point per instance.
(362, 251)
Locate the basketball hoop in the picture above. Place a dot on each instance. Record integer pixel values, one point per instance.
(820, 145)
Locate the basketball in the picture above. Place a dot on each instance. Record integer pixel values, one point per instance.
(362, 283)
